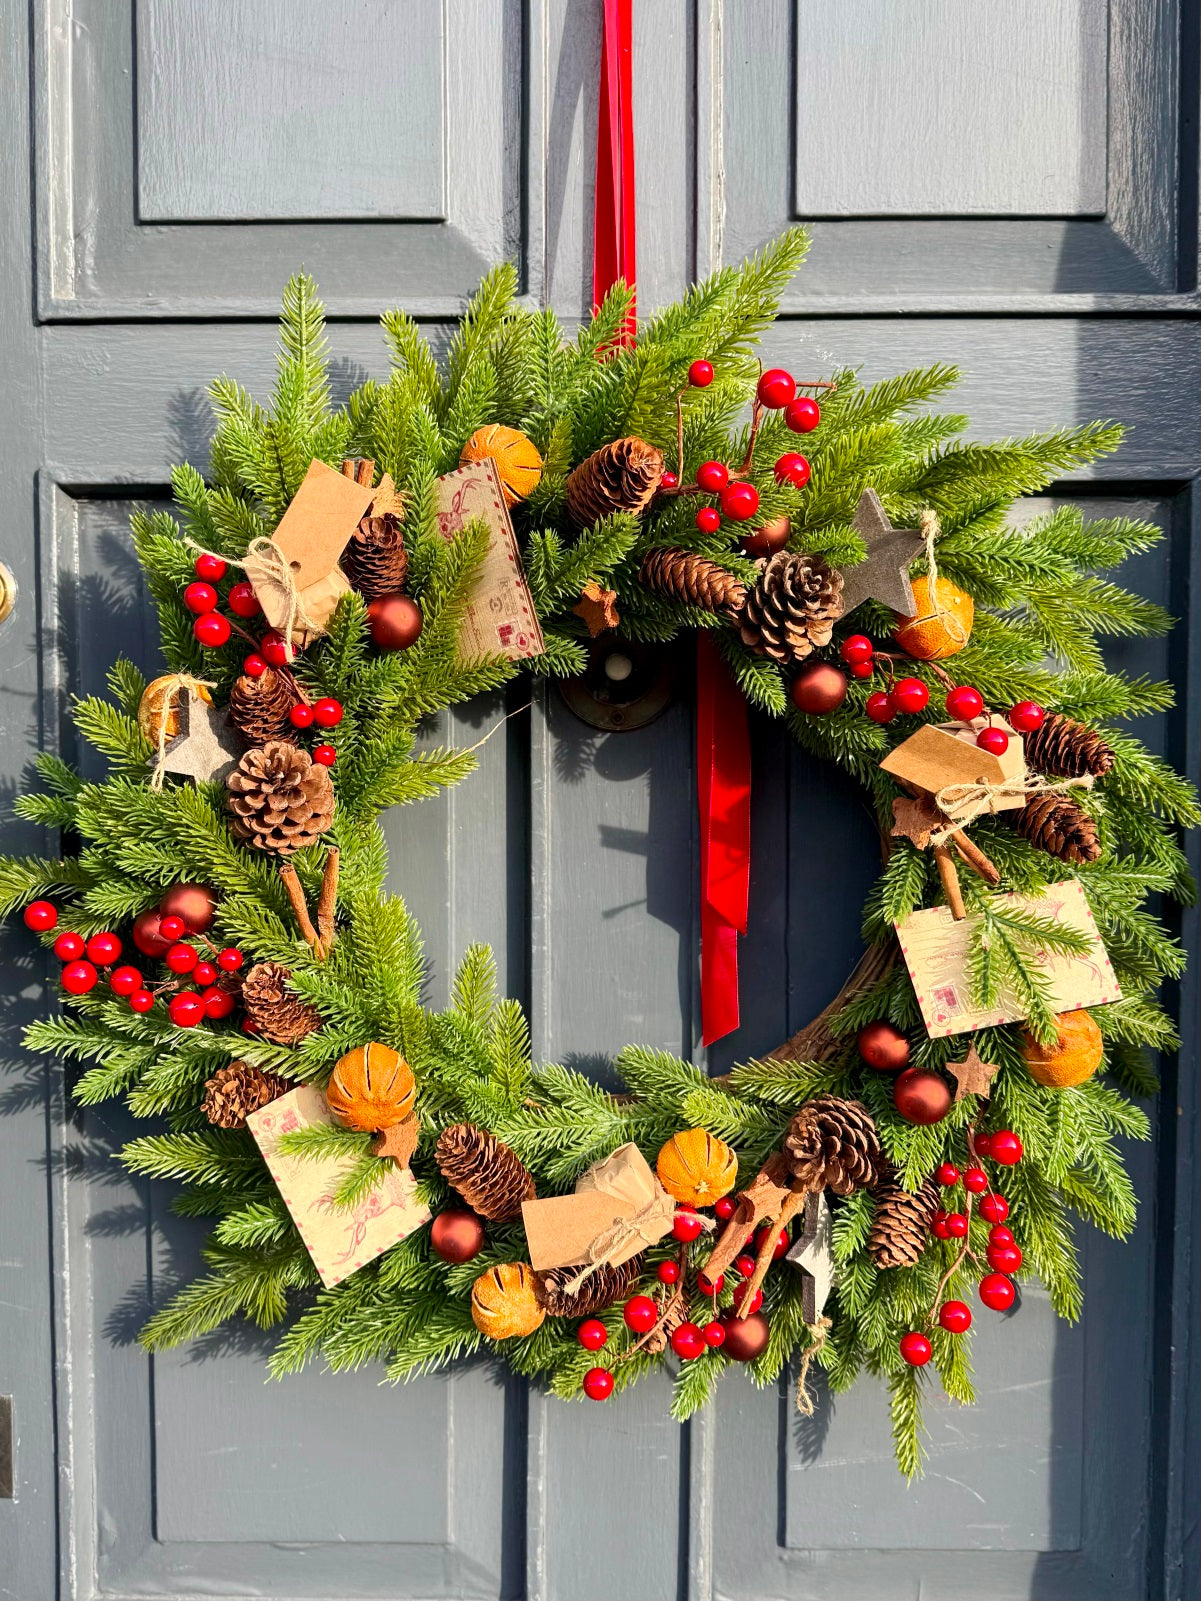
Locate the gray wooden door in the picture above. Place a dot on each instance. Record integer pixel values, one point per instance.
(1010, 186)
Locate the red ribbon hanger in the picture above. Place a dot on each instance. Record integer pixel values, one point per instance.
(613, 212)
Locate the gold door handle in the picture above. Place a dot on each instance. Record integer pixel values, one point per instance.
(8, 591)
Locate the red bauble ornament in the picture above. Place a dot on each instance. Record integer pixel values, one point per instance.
(686, 1225)
(141, 1001)
(802, 414)
(957, 1226)
(948, 1174)
(746, 1337)
(200, 598)
(767, 540)
(598, 1384)
(1005, 1147)
(1005, 1258)
(395, 622)
(325, 755)
(714, 1333)
(218, 1003)
(41, 916)
(910, 695)
(1026, 716)
(641, 1314)
(243, 601)
(994, 1208)
(1000, 1235)
(712, 476)
(744, 1265)
(955, 1316)
(69, 946)
(975, 1180)
(147, 933)
(818, 688)
(740, 502)
(725, 1208)
(79, 977)
(668, 1272)
(708, 519)
(124, 980)
(964, 703)
(669, 480)
(204, 974)
(997, 1292)
(775, 388)
(856, 648)
(274, 649)
(783, 1241)
(994, 740)
(921, 1096)
(327, 712)
(212, 629)
(700, 374)
(229, 960)
(209, 567)
(882, 1046)
(916, 1349)
(254, 666)
(792, 468)
(880, 707)
(301, 715)
(862, 669)
(687, 1342)
(457, 1235)
(173, 928)
(740, 1293)
(185, 1009)
(104, 949)
(591, 1334)
(195, 903)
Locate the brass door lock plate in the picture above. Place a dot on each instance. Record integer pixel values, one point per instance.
(625, 685)
(8, 591)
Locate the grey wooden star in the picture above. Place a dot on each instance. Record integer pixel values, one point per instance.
(813, 1256)
(207, 746)
(884, 576)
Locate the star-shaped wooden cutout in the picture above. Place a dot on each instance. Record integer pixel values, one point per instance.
(884, 576)
(915, 818)
(207, 747)
(598, 608)
(813, 1256)
(972, 1076)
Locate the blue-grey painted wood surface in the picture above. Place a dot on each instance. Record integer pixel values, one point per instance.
(570, 851)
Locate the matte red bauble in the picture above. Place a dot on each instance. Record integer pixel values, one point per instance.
(921, 1096)
(883, 1047)
(746, 1337)
(457, 1235)
(195, 903)
(766, 541)
(395, 622)
(997, 1292)
(818, 688)
(146, 934)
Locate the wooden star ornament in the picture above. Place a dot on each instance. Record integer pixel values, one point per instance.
(813, 1256)
(973, 1076)
(208, 747)
(884, 576)
(598, 608)
(915, 818)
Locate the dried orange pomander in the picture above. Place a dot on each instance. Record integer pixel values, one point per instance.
(696, 1167)
(163, 694)
(371, 1089)
(1075, 1056)
(941, 627)
(516, 457)
(505, 1302)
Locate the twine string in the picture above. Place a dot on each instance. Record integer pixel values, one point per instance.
(176, 684)
(982, 796)
(930, 530)
(645, 1227)
(265, 561)
(820, 1331)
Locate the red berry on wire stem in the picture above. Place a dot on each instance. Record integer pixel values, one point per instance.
(724, 1208)
(856, 648)
(955, 1316)
(592, 1334)
(1004, 1147)
(1004, 1258)
(861, 669)
(948, 1174)
(598, 1384)
(994, 740)
(975, 1180)
(792, 468)
(212, 629)
(997, 1292)
(740, 1296)
(217, 1003)
(964, 703)
(708, 519)
(79, 977)
(668, 1272)
(327, 712)
(204, 974)
(40, 916)
(200, 599)
(209, 567)
(186, 1009)
(880, 707)
(957, 1225)
(1000, 1235)
(802, 414)
(712, 476)
(229, 960)
(916, 1349)
(274, 649)
(181, 958)
(243, 601)
(686, 1225)
(172, 928)
(979, 1143)
(124, 980)
(775, 388)
(1026, 716)
(714, 1333)
(141, 1001)
(700, 374)
(687, 1342)
(69, 946)
(744, 1265)
(994, 1208)
(104, 949)
(669, 480)
(939, 1229)
(301, 715)
(739, 501)
(325, 755)
(910, 695)
(254, 666)
(641, 1314)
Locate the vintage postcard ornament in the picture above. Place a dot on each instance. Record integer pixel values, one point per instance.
(500, 618)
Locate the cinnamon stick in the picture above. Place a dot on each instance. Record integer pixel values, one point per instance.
(950, 882)
(292, 884)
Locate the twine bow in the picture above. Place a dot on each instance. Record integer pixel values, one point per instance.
(176, 684)
(644, 1228)
(266, 566)
(804, 1395)
(980, 796)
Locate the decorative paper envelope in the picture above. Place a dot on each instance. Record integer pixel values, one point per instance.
(940, 754)
(618, 1209)
(500, 615)
(312, 534)
(936, 948)
(340, 1240)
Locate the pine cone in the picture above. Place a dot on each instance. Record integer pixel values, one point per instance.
(491, 1178)
(235, 1091)
(833, 1142)
(375, 560)
(900, 1230)
(280, 1016)
(1067, 749)
(1061, 827)
(676, 1313)
(259, 707)
(599, 1289)
(695, 580)
(793, 608)
(622, 476)
(280, 798)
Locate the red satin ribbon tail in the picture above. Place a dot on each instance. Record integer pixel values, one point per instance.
(723, 785)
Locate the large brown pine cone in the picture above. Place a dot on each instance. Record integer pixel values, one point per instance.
(900, 1229)
(235, 1091)
(599, 1290)
(1067, 749)
(375, 560)
(622, 476)
(259, 707)
(694, 580)
(491, 1178)
(280, 1016)
(1059, 826)
(792, 610)
(280, 798)
(833, 1142)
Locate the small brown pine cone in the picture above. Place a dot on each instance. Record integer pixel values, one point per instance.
(259, 707)
(599, 1289)
(1067, 749)
(694, 580)
(677, 1311)
(280, 1016)
(375, 560)
(622, 476)
(235, 1091)
(832, 1142)
(491, 1178)
(1059, 826)
(792, 610)
(280, 798)
(900, 1229)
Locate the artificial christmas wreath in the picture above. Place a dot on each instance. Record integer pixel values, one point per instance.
(270, 1008)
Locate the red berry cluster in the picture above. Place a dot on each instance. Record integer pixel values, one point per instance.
(212, 628)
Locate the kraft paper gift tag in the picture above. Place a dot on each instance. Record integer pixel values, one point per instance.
(500, 618)
(618, 1209)
(310, 537)
(943, 760)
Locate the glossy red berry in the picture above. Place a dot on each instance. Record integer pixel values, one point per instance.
(975, 1180)
(172, 927)
(69, 947)
(1026, 716)
(592, 1334)
(964, 703)
(700, 374)
(856, 648)
(141, 1001)
(41, 916)
(910, 695)
(948, 1174)
(916, 1349)
(229, 960)
(243, 601)
(939, 1229)
(327, 712)
(598, 1384)
(274, 649)
(687, 1342)
(1005, 1147)
(1000, 1235)
(686, 1226)
(994, 1208)
(669, 480)
(1005, 1258)
(879, 707)
(124, 980)
(994, 740)
(775, 388)
(217, 1003)
(712, 476)
(997, 1292)
(79, 977)
(325, 755)
(668, 1272)
(185, 1009)
(740, 1296)
(301, 715)
(981, 1144)
(714, 1333)
(254, 666)
(181, 958)
(783, 1241)
(792, 468)
(212, 629)
(209, 567)
(744, 1264)
(708, 519)
(861, 669)
(955, 1316)
(739, 501)
(724, 1208)
(641, 1314)
(957, 1225)
(104, 949)
(200, 598)
(204, 974)
(802, 414)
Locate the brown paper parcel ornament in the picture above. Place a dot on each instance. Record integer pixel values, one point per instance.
(618, 1209)
(942, 760)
